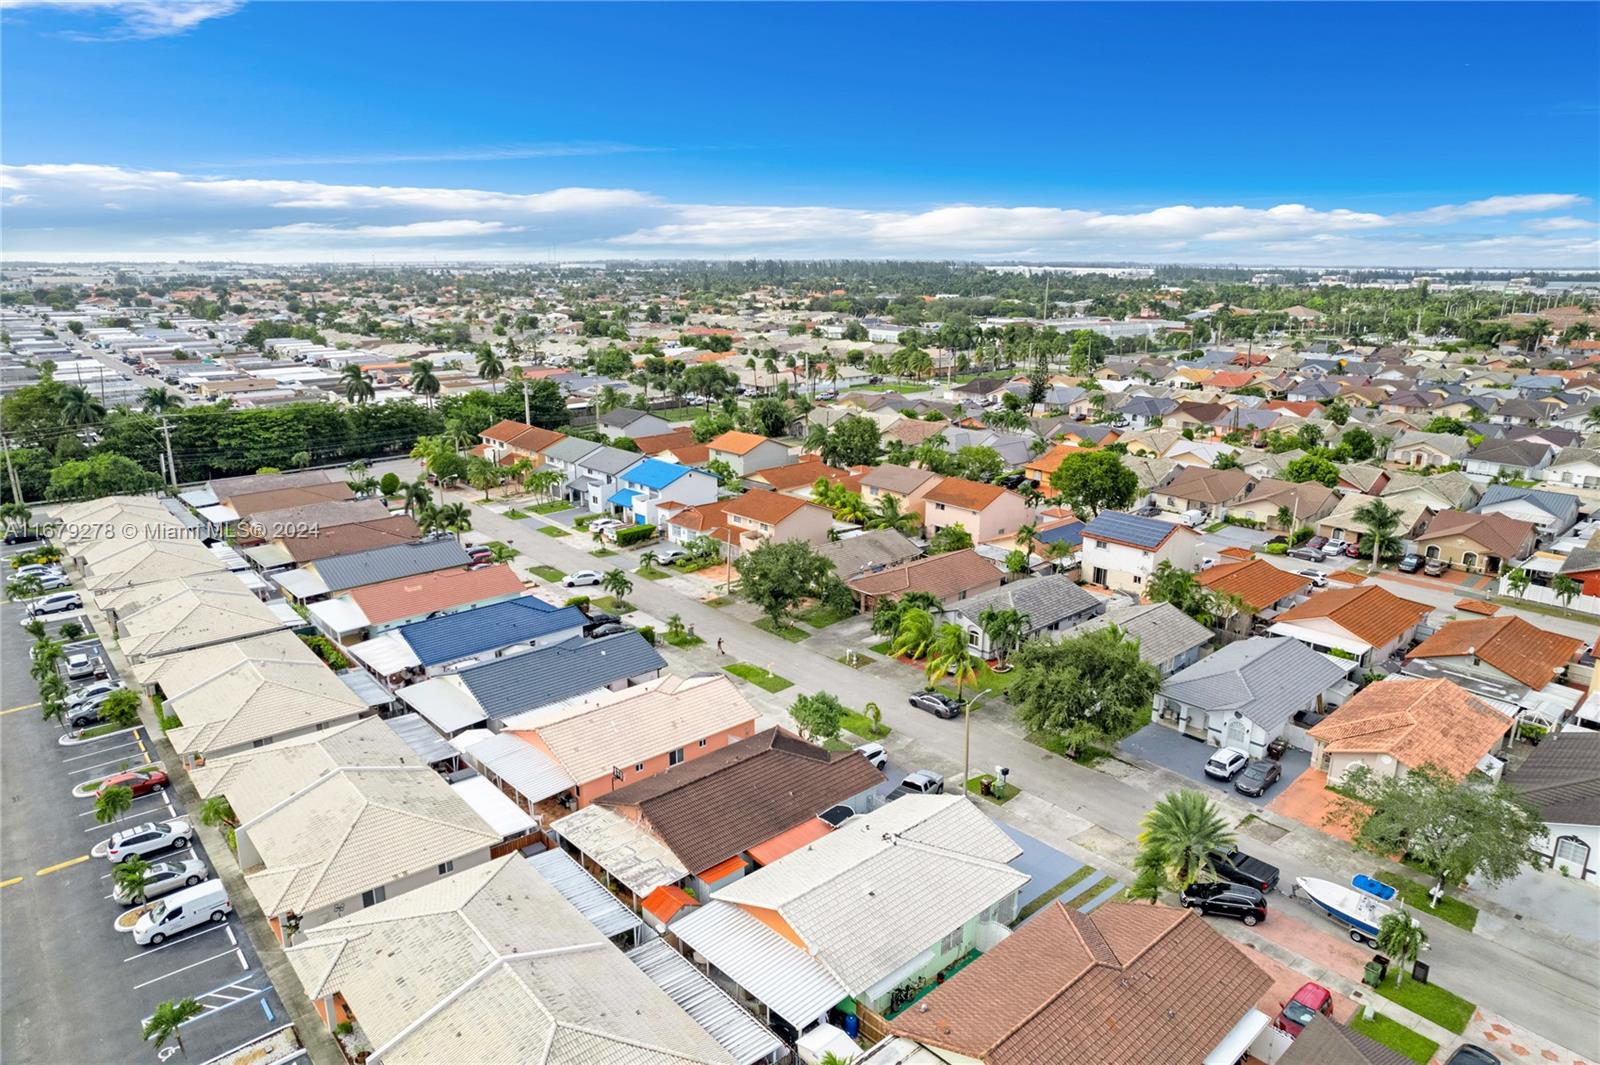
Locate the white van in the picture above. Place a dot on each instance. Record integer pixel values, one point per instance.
(182, 910)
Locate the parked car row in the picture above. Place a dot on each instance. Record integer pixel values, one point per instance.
(1250, 776)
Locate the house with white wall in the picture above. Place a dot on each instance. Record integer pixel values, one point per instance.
(1121, 551)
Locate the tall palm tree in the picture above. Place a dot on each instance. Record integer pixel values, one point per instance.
(423, 381)
(888, 515)
(913, 633)
(415, 494)
(610, 399)
(78, 407)
(168, 1020)
(1179, 831)
(456, 518)
(112, 803)
(948, 655)
(1006, 629)
(617, 583)
(159, 400)
(358, 386)
(1026, 535)
(490, 367)
(1380, 521)
(132, 875)
(47, 655)
(1401, 938)
(427, 517)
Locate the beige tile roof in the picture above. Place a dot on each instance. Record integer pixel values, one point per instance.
(130, 599)
(122, 563)
(184, 670)
(1418, 722)
(105, 520)
(356, 829)
(257, 700)
(258, 779)
(940, 575)
(194, 619)
(873, 894)
(493, 964)
(591, 735)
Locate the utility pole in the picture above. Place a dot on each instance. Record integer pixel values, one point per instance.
(527, 411)
(966, 746)
(172, 467)
(11, 471)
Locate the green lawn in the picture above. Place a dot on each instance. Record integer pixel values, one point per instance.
(821, 616)
(856, 659)
(1396, 1037)
(719, 601)
(679, 414)
(500, 545)
(602, 552)
(759, 677)
(1445, 1008)
(885, 648)
(102, 729)
(903, 389)
(682, 642)
(516, 515)
(1094, 889)
(610, 604)
(988, 681)
(1415, 895)
(1077, 877)
(549, 573)
(1057, 746)
(553, 531)
(792, 633)
(975, 787)
(650, 573)
(861, 725)
(554, 506)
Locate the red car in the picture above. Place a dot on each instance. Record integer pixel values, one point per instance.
(1353, 550)
(138, 783)
(1309, 1001)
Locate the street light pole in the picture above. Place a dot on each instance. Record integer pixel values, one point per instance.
(966, 744)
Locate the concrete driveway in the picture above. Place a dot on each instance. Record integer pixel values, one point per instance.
(1172, 750)
(1044, 863)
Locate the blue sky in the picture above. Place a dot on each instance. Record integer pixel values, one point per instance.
(1340, 134)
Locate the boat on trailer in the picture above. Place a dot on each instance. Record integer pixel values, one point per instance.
(1358, 911)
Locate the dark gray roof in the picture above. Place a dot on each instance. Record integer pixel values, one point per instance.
(1561, 778)
(1114, 525)
(342, 572)
(851, 555)
(527, 681)
(1164, 632)
(622, 417)
(1265, 679)
(569, 449)
(1045, 601)
(1510, 452)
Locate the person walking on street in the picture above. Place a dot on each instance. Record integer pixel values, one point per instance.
(719, 646)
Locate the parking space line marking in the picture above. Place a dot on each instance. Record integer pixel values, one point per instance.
(186, 968)
(13, 880)
(18, 709)
(248, 994)
(61, 865)
(136, 798)
(95, 754)
(231, 937)
(173, 943)
(242, 963)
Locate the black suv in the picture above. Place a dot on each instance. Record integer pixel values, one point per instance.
(1247, 904)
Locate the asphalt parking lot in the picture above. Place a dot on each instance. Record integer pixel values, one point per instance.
(1166, 747)
(72, 989)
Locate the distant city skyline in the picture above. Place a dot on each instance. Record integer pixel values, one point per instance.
(1267, 135)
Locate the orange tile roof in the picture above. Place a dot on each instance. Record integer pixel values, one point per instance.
(1370, 613)
(1477, 606)
(690, 454)
(702, 518)
(758, 504)
(665, 902)
(968, 495)
(769, 851)
(1418, 722)
(722, 870)
(1048, 462)
(1231, 379)
(415, 596)
(1242, 553)
(1258, 582)
(652, 445)
(505, 430)
(737, 443)
(1516, 648)
(1344, 576)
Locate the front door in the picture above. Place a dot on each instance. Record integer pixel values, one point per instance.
(1237, 734)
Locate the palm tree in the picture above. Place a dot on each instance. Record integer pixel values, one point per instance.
(608, 400)
(1518, 580)
(78, 407)
(490, 367)
(358, 386)
(852, 508)
(218, 811)
(112, 803)
(499, 552)
(455, 518)
(617, 583)
(889, 516)
(948, 655)
(1026, 536)
(483, 474)
(1566, 589)
(1380, 520)
(423, 382)
(159, 400)
(1006, 629)
(165, 1023)
(132, 875)
(913, 633)
(47, 655)
(542, 482)
(415, 494)
(1179, 832)
(1401, 938)
(427, 517)
(921, 600)
(648, 560)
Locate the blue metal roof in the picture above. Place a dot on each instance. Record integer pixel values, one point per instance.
(1147, 533)
(653, 473)
(487, 628)
(623, 498)
(522, 682)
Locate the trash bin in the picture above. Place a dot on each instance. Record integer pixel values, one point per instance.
(1372, 974)
(852, 1025)
(1419, 971)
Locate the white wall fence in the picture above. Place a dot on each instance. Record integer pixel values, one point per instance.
(1534, 593)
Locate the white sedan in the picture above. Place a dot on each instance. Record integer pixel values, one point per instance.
(580, 579)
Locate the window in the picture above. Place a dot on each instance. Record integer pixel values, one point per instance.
(675, 758)
(951, 941)
(373, 897)
(447, 868)
(1574, 850)
(638, 767)
(702, 745)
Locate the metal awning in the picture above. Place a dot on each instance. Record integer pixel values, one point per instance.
(429, 746)
(447, 705)
(629, 854)
(339, 615)
(600, 906)
(368, 690)
(784, 978)
(521, 766)
(504, 817)
(746, 1039)
(385, 654)
(1236, 1042)
(301, 583)
(268, 556)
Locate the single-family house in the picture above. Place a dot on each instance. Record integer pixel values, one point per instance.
(1552, 512)
(1302, 502)
(1262, 588)
(1578, 467)
(748, 453)
(1561, 779)
(596, 477)
(1477, 543)
(1079, 985)
(631, 423)
(652, 490)
(335, 574)
(1046, 604)
(868, 551)
(249, 702)
(951, 576)
(759, 516)
(1213, 492)
(1398, 725)
(507, 440)
(986, 511)
(562, 457)
(307, 544)
(1521, 459)
(1121, 551)
(1440, 491)
(410, 652)
(1244, 695)
(195, 617)
(1168, 638)
(1505, 661)
(1366, 624)
(1420, 450)
(907, 485)
(365, 612)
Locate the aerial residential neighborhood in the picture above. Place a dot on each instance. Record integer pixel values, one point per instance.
(497, 573)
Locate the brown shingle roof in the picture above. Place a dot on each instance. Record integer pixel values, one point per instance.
(1502, 535)
(721, 804)
(1206, 485)
(901, 480)
(683, 436)
(1118, 985)
(1509, 644)
(968, 495)
(282, 498)
(1259, 583)
(941, 575)
(423, 594)
(1418, 722)
(1369, 612)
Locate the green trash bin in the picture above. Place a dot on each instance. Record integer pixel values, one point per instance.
(1373, 974)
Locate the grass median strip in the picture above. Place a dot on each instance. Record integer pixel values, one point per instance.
(553, 531)
(861, 725)
(822, 615)
(1094, 891)
(792, 633)
(975, 787)
(1395, 1036)
(1461, 914)
(549, 573)
(1445, 1008)
(1078, 876)
(761, 678)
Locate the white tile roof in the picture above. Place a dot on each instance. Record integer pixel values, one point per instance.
(492, 964)
(193, 619)
(178, 672)
(790, 982)
(128, 599)
(122, 563)
(873, 894)
(256, 700)
(356, 829)
(100, 520)
(625, 850)
(611, 729)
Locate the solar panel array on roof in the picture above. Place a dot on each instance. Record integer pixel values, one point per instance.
(1147, 533)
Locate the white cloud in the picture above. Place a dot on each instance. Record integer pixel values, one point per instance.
(445, 227)
(1495, 207)
(1564, 222)
(140, 19)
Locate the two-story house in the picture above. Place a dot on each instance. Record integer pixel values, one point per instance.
(907, 485)
(652, 490)
(595, 480)
(747, 453)
(1122, 551)
(986, 511)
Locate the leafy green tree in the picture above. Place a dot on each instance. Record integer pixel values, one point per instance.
(389, 484)
(1338, 412)
(1084, 690)
(121, 708)
(1380, 520)
(817, 715)
(1181, 588)
(1454, 829)
(953, 537)
(777, 576)
(1312, 468)
(1090, 481)
(1401, 938)
(1176, 836)
(852, 441)
(99, 475)
(1359, 443)
(979, 464)
(168, 1020)
(218, 811)
(767, 416)
(1442, 424)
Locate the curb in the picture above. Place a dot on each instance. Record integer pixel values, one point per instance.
(69, 740)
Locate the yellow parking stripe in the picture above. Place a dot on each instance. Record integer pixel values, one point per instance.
(13, 880)
(62, 865)
(14, 709)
